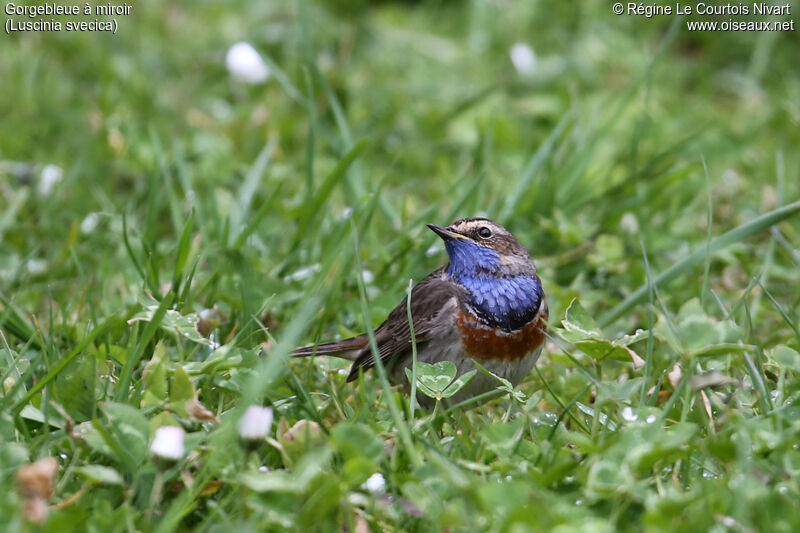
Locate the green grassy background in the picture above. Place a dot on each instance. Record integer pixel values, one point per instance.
(261, 210)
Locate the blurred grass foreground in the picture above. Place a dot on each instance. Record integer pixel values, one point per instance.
(185, 200)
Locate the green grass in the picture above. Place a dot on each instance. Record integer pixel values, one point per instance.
(651, 171)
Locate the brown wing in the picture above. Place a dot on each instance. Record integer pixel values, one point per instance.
(428, 298)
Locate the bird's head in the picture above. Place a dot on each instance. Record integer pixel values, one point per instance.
(481, 247)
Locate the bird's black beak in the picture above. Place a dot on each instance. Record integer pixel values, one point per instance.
(444, 233)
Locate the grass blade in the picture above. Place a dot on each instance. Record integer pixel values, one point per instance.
(62, 364)
(138, 350)
(534, 166)
(184, 246)
(326, 188)
(683, 266)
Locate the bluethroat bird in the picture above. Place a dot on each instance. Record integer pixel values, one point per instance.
(486, 305)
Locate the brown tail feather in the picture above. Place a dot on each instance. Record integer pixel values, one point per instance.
(346, 349)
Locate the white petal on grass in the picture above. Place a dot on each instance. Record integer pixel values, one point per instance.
(256, 423)
(220, 109)
(368, 276)
(245, 64)
(375, 483)
(168, 443)
(628, 414)
(523, 57)
(303, 273)
(434, 249)
(36, 266)
(89, 223)
(50, 175)
(629, 223)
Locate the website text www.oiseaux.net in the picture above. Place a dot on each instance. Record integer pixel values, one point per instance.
(701, 9)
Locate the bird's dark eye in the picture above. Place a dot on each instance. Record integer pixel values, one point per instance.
(484, 232)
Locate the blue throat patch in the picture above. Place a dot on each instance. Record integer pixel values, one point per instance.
(507, 302)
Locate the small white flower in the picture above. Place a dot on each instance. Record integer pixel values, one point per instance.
(375, 483)
(168, 443)
(36, 266)
(50, 175)
(628, 223)
(432, 250)
(368, 276)
(523, 57)
(245, 64)
(629, 415)
(303, 273)
(89, 223)
(255, 423)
